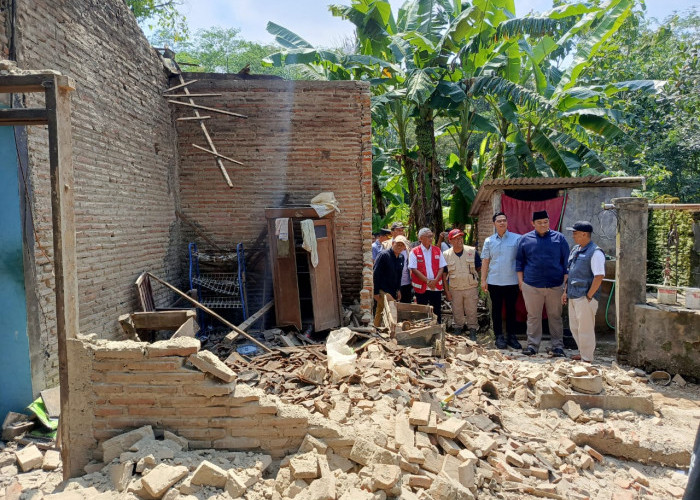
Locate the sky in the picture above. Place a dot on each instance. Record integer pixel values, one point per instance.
(311, 19)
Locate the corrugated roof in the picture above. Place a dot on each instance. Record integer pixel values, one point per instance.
(484, 193)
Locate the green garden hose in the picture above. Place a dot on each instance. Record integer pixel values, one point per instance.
(607, 308)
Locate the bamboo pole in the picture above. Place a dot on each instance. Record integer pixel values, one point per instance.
(206, 108)
(218, 155)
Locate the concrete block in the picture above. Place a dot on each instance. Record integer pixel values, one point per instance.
(451, 427)
(117, 445)
(304, 466)
(184, 445)
(208, 362)
(466, 471)
(380, 476)
(420, 413)
(121, 474)
(162, 477)
(234, 486)
(431, 426)
(433, 460)
(311, 443)
(179, 346)
(572, 409)
(448, 445)
(52, 460)
(29, 458)
(363, 451)
(417, 481)
(403, 434)
(209, 474)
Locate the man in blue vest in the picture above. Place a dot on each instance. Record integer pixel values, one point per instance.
(540, 263)
(586, 272)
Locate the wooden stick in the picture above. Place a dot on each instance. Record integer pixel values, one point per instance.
(183, 84)
(249, 322)
(187, 221)
(186, 118)
(209, 141)
(193, 95)
(212, 313)
(218, 155)
(207, 108)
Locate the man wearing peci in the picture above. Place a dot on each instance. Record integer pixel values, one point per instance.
(541, 262)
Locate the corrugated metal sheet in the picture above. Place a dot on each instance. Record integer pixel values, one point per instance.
(484, 193)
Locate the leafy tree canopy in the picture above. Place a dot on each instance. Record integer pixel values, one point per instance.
(160, 14)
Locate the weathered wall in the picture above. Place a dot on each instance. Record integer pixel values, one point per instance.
(300, 138)
(124, 385)
(126, 179)
(666, 338)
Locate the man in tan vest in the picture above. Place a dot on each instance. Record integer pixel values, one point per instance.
(462, 285)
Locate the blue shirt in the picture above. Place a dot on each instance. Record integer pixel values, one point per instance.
(501, 254)
(376, 248)
(542, 259)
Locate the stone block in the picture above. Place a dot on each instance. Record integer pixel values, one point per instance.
(29, 458)
(481, 445)
(412, 454)
(304, 466)
(337, 462)
(208, 362)
(431, 426)
(234, 486)
(311, 443)
(380, 476)
(448, 445)
(433, 460)
(209, 474)
(466, 471)
(52, 460)
(162, 477)
(322, 488)
(120, 474)
(451, 427)
(589, 384)
(450, 468)
(403, 434)
(444, 489)
(417, 481)
(420, 413)
(184, 444)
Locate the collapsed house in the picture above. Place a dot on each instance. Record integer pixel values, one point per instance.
(147, 182)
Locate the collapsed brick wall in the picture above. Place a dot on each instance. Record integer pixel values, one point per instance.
(300, 138)
(126, 180)
(125, 385)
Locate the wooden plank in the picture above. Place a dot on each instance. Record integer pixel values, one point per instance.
(207, 108)
(188, 118)
(218, 155)
(22, 84)
(23, 116)
(161, 320)
(193, 95)
(284, 279)
(181, 85)
(203, 127)
(305, 212)
(57, 98)
(249, 322)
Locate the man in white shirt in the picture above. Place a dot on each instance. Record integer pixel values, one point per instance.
(586, 272)
(426, 264)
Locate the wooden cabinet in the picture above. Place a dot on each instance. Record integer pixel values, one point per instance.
(304, 294)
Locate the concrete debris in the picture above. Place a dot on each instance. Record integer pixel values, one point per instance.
(387, 432)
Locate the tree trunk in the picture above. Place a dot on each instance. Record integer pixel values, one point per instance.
(428, 167)
(378, 198)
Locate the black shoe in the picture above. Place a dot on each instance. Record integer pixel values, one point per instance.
(500, 342)
(529, 351)
(558, 352)
(513, 342)
(472, 334)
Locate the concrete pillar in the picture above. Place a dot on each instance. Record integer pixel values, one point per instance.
(631, 270)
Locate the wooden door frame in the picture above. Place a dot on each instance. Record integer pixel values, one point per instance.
(56, 115)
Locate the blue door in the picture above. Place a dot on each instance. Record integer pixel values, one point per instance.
(15, 371)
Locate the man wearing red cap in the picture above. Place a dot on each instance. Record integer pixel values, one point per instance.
(462, 286)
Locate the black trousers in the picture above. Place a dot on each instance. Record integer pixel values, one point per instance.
(432, 298)
(500, 294)
(407, 293)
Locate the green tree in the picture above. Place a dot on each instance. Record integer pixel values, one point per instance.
(160, 14)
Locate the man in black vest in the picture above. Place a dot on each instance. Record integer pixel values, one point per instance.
(586, 272)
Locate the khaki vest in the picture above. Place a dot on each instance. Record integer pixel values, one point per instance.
(461, 270)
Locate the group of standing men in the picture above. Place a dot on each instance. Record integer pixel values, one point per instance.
(539, 264)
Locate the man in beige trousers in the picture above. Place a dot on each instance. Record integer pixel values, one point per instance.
(462, 285)
(586, 272)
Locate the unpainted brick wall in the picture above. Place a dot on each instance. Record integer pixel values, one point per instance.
(124, 153)
(125, 385)
(300, 138)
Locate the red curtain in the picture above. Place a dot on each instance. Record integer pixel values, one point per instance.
(519, 215)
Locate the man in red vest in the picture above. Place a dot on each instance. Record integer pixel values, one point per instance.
(426, 264)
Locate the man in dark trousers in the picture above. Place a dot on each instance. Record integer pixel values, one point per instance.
(541, 262)
(387, 274)
(427, 264)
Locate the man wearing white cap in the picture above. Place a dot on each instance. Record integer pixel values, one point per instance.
(462, 286)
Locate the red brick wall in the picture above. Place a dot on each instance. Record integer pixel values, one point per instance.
(126, 185)
(299, 138)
